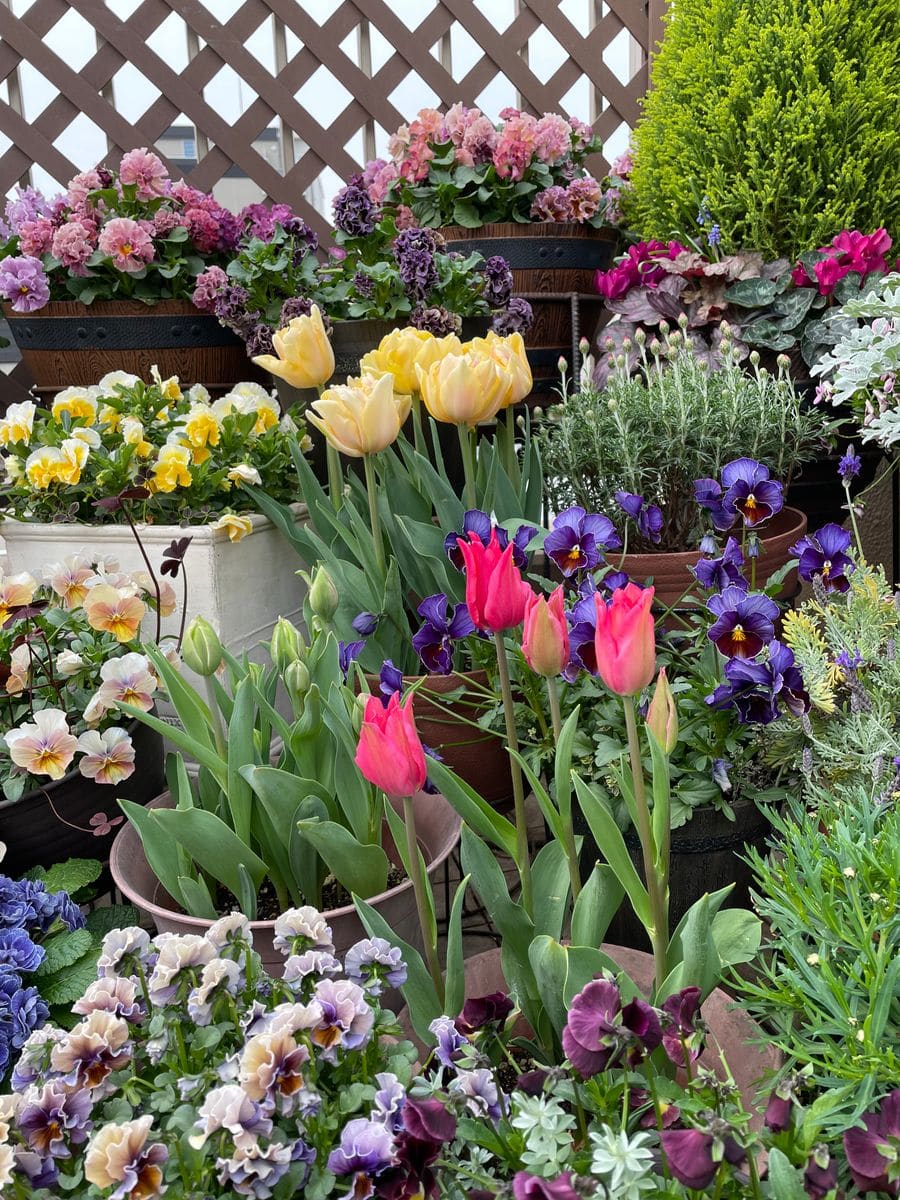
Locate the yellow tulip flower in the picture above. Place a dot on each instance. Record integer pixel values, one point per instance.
(509, 352)
(361, 417)
(303, 355)
(464, 389)
(402, 350)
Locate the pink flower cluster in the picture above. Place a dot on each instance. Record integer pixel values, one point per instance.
(850, 251)
(579, 201)
(636, 269)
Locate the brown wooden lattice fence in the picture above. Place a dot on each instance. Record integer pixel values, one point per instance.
(128, 60)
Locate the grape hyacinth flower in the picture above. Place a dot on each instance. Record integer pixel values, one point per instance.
(716, 574)
(434, 641)
(578, 540)
(755, 689)
(647, 517)
(750, 491)
(823, 555)
(744, 622)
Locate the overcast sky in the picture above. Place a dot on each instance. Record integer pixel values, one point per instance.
(84, 144)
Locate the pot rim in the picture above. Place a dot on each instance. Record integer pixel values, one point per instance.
(116, 530)
(54, 785)
(331, 914)
(798, 518)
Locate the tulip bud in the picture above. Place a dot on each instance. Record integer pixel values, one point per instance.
(201, 648)
(296, 680)
(323, 595)
(545, 636)
(662, 715)
(287, 645)
(358, 711)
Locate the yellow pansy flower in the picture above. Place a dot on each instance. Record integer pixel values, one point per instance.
(18, 423)
(172, 469)
(75, 402)
(236, 527)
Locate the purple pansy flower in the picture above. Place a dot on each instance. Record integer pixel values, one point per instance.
(820, 1175)
(449, 1040)
(872, 1151)
(694, 1157)
(647, 517)
(23, 283)
(365, 623)
(374, 962)
(682, 1029)
(755, 689)
(578, 540)
(478, 522)
(390, 680)
(366, 1148)
(480, 1011)
(480, 1091)
(718, 573)
(708, 493)
(389, 1101)
(582, 619)
(750, 491)
(599, 1030)
(744, 622)
(55, 1118)
(823, 555)
(434, 641)
(533, 1187)
(348, 652)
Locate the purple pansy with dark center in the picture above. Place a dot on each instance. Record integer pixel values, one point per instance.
(582, 619)
(348, 652)
(434, 641)
(613, 580)
(478, 522)
(694, 1156)
(599, 1030)
(366, 1149)
(682, 1029)
(750, 492)
(873, 1150)
(756, 689)
(744, 622)
(579, 539)
(647, 517)
(55, 1118)
(823, 555)
(427, 1127)
(718, 573)
(708, 493)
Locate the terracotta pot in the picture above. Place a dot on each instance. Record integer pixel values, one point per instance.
(670, 571)
(68, 343)
(438, 828)
(734, 1039)
(52, 823)
(560, 258)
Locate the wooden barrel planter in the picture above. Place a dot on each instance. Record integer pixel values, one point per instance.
(559, 259)
(67, 343)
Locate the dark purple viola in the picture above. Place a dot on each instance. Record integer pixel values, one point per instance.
(390, 681)
(744, 622)
(582, 620)
(348, 652)
(757, 689)
(613, 580)
(365, 623)
(578, 540)
(444, 624)
(647, 517)
(480, 1011)
(872, 1151)
(823, 555)
(716, 574)
(820, 1176)
(682, 1029)
(599, 1031)
(478, 522)
(708, 494)
(694, 1156)
(750, 491)
(533, 1187)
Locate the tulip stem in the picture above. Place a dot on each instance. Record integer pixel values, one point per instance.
(555, 714)
(418, 882)
(659, 934)
(506, 431)
(335, 476)
(512, 741)
(569, 839)
(418, 433)
(374, 519)
(467, 447)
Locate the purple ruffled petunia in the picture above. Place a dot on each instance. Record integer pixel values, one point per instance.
(579, 539)
(716, 574)
(823, 555)
(647, 517)
(434, 641)
(750, 491)
(498, 281)
(744, 622)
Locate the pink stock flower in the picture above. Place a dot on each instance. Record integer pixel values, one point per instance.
(625, 639)
(389, 753)
(552, 138)
(73, 244)
(496, 593)
(108, 756)
(145, 169)
(35, 236)
(127, 243)
(45, 747)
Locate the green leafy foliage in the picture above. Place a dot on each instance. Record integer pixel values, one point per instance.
(782, 114)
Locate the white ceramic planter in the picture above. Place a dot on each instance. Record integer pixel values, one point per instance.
(240, 587)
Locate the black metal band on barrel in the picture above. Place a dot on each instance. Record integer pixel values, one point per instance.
(704, 845)
(541, 254)
(149, 332)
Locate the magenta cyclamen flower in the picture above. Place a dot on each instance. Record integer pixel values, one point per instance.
(744, 622)
(23, 283)
(872, 1151)
(599, 1030)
